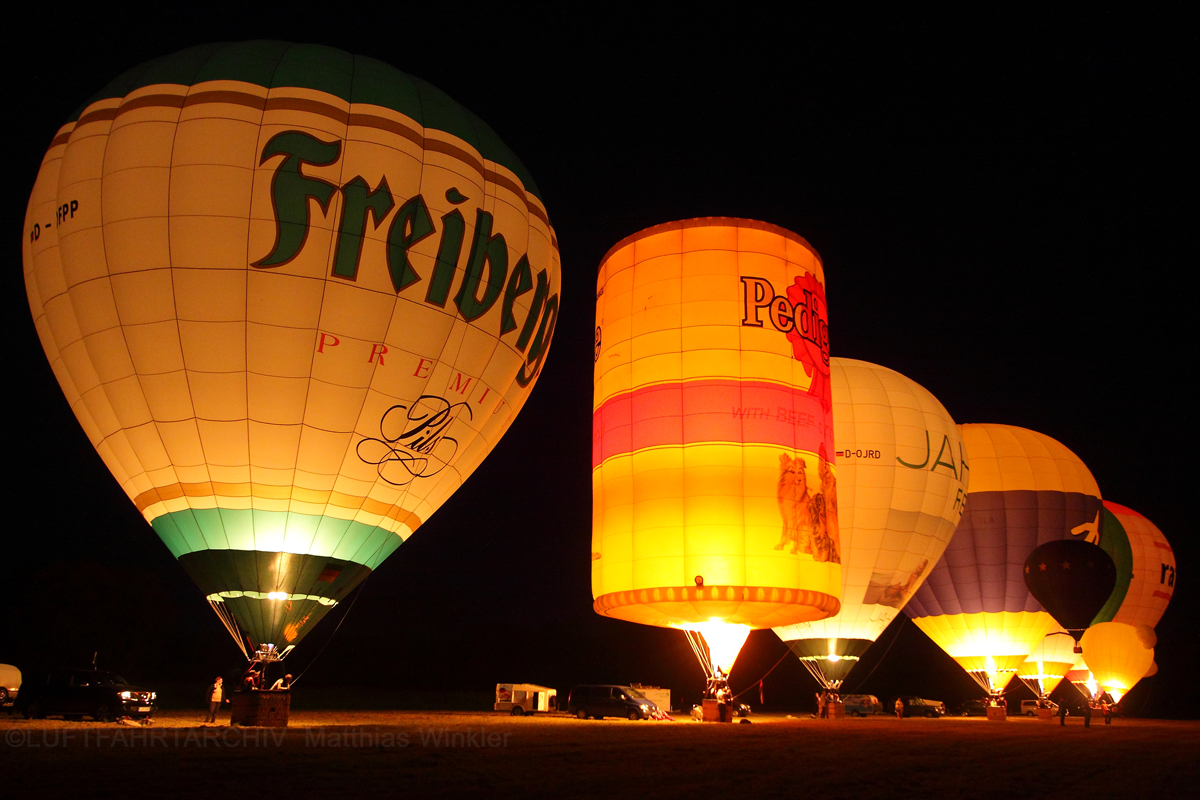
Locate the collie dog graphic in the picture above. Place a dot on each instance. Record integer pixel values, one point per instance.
(806, 517)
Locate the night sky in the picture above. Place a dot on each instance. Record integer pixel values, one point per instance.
(1000, 205)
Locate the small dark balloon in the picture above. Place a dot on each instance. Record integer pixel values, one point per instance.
(1072, 579)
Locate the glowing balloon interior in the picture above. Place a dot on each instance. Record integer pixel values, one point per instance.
(1049, 662)
(714, 487)
(1118, 655)
(902, 481)
(294, 297)
(1026, 489)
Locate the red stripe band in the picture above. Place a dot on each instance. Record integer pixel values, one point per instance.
(724, 411)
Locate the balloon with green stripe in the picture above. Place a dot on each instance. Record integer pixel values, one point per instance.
(294, 297)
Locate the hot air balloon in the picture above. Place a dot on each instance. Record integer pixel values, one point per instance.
(294, 297)
(1026, 489)
(1072, 579)
(714, 489)
(902, 481)
(1118, 655)
(1049, 662)
(1146, 567)
(1083, 680)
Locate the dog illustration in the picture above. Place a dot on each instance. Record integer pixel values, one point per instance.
(829, 510)
(795, 505)
(824, 545)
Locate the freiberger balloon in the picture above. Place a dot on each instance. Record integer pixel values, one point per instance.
(1026, 489)
(294, 296)
(902, 482)
(714, 488)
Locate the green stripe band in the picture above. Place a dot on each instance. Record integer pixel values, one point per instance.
(194, 530)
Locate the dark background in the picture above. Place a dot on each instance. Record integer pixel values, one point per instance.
(1000, 201)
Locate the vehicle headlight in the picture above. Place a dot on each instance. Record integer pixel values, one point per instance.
(153, 695)
(126, 695)
(645, 707)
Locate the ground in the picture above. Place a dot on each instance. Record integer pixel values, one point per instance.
(447, 754)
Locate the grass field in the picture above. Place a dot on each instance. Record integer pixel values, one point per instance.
(451, 754)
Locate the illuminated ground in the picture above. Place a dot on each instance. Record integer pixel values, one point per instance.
(426, 754)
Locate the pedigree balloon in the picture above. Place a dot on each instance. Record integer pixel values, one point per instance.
(714, 487)
(294, 297)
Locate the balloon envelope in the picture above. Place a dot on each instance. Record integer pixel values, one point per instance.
(1145, 565)
(1049, 662)
(714, 488)
(1026, 489)
(901, 487)
(1117, 655)
(1072, 579)
(294, 297)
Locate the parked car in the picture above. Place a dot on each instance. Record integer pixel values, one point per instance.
(860, 705)
(609, 701)
(10, 684)
(920, 707)
(103, 696)
(974, 708)
(1029, 707)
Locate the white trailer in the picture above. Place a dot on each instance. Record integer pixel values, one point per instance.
(660, 697)
(525, 698)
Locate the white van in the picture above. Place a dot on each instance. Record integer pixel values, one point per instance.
(1030, 707)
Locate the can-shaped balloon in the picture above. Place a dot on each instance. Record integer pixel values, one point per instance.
(294, 296)
(714, 487)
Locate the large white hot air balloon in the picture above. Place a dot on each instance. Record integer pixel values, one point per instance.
(902, 481)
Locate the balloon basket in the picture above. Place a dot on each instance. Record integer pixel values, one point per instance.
(712, 712)
(835, 710)
(1045, 713)
(998, 713)
(260, 709)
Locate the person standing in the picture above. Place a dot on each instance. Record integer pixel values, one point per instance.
(1087, 714)
(216, 696)
(899, 708)
(1107, 708)
(1062, 714)
(282, 684)
(723, 704)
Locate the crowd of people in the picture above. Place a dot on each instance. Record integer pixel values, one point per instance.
(1091, 705)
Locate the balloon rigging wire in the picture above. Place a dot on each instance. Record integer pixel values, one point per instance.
(349, 608)
(700, 648)
(858, 686)
(335, 630)
(764, 677)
